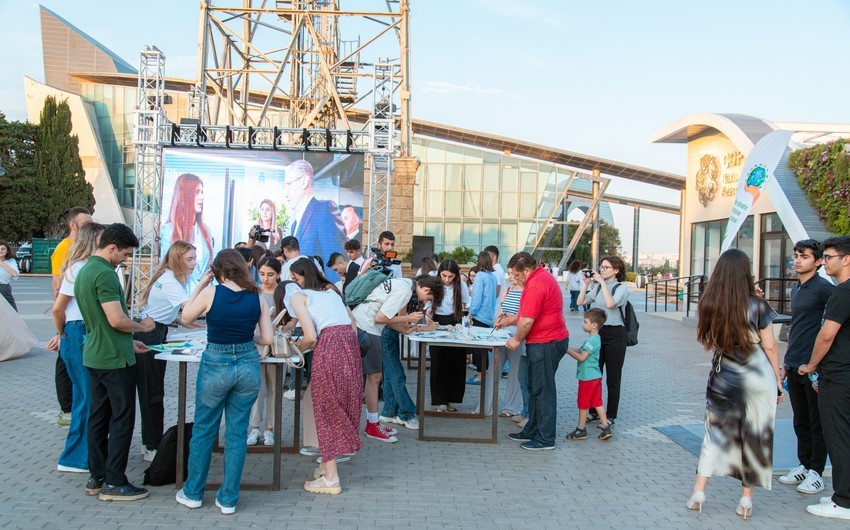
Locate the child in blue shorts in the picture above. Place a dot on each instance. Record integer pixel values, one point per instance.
(590, 376)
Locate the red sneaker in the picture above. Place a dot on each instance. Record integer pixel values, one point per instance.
(389, 430)
(376, 431)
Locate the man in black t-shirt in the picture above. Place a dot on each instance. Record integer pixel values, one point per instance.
(831, 357)
(808, 299)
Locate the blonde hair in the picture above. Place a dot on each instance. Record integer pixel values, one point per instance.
(84, 245)
(172, 261)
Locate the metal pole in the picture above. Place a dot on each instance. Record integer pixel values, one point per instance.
(404, 63)
(635, 239)
(594, 241)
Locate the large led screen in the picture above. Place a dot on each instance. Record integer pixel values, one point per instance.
(213, 197)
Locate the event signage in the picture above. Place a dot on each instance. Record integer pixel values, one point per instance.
(756, 174)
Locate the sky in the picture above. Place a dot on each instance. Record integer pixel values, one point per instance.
(596, 78)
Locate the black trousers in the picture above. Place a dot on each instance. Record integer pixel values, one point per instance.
(111, 421)
(64, 388)
(479, 355)
(612, 356)
(448, 369)
(811, 449)
(150, 385)
(834, 405)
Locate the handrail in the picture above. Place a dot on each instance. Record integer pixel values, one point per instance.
(688, 293)
(783, 306)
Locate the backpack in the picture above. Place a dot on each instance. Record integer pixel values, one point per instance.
(163, 469)
(630, 321)
(361, 287)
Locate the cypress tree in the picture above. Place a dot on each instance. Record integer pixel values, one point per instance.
(17, 200)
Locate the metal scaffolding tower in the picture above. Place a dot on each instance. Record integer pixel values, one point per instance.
(148, 139)
(287, 63)
(381, 150)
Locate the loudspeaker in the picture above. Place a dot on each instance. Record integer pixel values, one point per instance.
(423, 246)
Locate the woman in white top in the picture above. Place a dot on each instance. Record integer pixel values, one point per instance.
(448, 365)
(70, 335)
(8, 272)
(162, 300)
(337, 373)
(269, 271)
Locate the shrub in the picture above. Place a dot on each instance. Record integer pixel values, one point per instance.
(823, 172)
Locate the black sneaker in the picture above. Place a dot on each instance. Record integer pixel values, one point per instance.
(606, 432)
(519, 437)
(611, 422)
(127, 492)
(578, 434)
(93, 486)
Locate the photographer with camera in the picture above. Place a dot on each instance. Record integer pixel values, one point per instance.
(265, 232)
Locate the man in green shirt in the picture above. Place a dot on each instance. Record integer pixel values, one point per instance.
(109, 356)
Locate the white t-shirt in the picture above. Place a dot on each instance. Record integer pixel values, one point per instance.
(574, 281)
(389, 298)
(284, 269)
(555, 270)
(447, 307)
(165, 298)
(326, 309)
(499, 273)
(72, 310)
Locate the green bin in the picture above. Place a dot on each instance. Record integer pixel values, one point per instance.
(42, 249)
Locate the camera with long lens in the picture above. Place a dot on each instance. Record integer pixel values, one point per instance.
(259, 234)
(385, 259)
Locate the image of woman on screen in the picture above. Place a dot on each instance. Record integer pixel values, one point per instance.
(186, 223)
(268, 221)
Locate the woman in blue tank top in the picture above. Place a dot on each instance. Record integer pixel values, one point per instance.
(228, 378)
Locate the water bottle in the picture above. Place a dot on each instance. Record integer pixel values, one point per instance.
(813, 377)
(785, 384)
(466, 323)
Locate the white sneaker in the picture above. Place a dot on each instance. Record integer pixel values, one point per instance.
(412, 423)
(309, 450)
(813, 483)
(795, 476)
(289, 394)
(826, 500)
(186, 501)
(68, 469)
(254, 437)
(389, 419)
(225, 510)
(268, 438)
(829, 509)
(148, 454)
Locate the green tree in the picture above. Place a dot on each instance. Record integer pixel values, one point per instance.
(60, 181)
(609, 242)
(17, 214)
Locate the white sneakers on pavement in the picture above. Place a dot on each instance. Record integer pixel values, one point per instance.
(794, 476)
(412, 423)
(812, 484)
(254, 437)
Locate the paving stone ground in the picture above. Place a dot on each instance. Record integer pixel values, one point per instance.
(638, 479)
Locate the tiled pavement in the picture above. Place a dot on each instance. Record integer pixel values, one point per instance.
(640, 478)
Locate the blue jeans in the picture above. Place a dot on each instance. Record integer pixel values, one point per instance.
(543, 360)
(228, 381)
(522, 375)
(574, 300)
(76, 452)
(397, 400)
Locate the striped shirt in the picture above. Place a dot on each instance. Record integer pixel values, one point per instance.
(510, 304)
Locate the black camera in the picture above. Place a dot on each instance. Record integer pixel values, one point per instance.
(385, 259)
(588, 273)
(259, 234)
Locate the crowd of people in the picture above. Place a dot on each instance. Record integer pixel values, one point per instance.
(352, 353)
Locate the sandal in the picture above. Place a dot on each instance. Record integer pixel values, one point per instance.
(506, 414)
(318, 473)
(323, 485)
(517, 418)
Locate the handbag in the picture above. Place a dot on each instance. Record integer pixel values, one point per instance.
(283, 346)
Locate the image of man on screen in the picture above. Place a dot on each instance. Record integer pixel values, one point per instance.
(186, 223)
(352, 222)
(316, 223)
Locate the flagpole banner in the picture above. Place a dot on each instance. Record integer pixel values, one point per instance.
(756, 173)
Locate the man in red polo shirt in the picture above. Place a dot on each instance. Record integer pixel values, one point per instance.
(540, 322)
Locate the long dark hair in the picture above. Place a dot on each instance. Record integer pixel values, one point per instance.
(229, 265)
(279, 295)
(313, 277)
(451, 266)
(723, 322)
(575, 266)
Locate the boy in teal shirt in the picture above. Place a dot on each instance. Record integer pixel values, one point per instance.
(590, 376)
